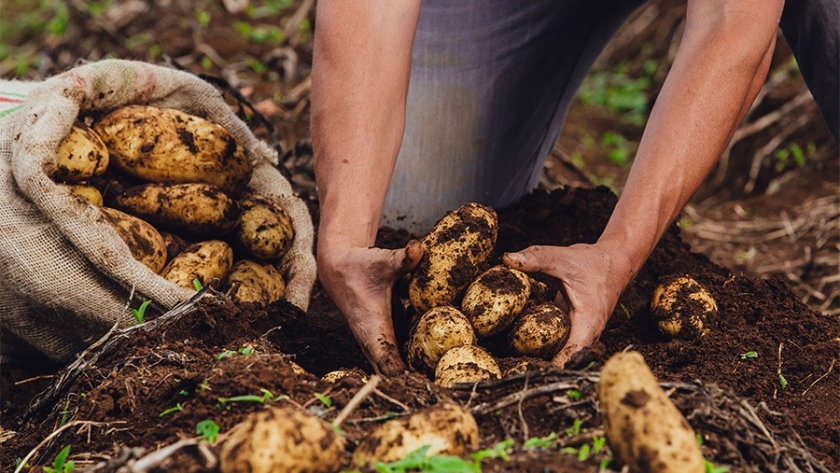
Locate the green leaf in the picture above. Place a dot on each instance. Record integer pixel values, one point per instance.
(782, 381)
(208, 429)
(325, 400)
(749, 354)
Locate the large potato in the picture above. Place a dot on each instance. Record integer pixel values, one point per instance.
(187, 209)
(681, 307)
(143, 240)
(282, 439)
(172, 147)
(259, 283)
(447, 428)
(540, 331)
(435, 333)
(455, 249)
(495, 298)
(643, 427)
(466, 364)
(265, 229)
(207, 261)
(80, 156)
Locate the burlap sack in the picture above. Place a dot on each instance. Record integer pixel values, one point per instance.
(65, 275)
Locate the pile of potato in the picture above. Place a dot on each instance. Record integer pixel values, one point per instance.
(174, 186)
(461, 303)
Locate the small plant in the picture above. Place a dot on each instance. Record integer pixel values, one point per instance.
(541, 442)
(61, 464)
(197, 285)
(176, 408)
(575, 428)
(573, 395)
(267, 396)
(782, 381)
(709, 466)
(140, 312)
(246, 350)
(418, 461)
(325, 400)
(749, 355)
(208, 430)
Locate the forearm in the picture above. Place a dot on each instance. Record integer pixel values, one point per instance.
(362, 57)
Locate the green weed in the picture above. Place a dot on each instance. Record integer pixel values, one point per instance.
(140, 312)
(208, 429)
(61, 464)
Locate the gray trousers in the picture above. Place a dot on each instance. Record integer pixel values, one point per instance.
(492, 80)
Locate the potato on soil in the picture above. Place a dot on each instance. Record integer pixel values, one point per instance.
(335, 375)
(435, 333)
(495, 298)
(144, 241)
(282, 439)
(455, 249)
(80, 156)
(540, 331)
(466, 364)
(208, 261)
(255, 282)
(643, 427)
(86, 192)
(172, 147)
(447, 428)
(681, 307)
(186, 209)
(265, 229)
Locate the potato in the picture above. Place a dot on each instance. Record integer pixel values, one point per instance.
(208, 261)
(335, 375)
(540, 331)
(466, 364)
(86, 192)
(447, 428)
(455, 249)
(171, 147)
(495, 298)
(143, 239)
(643, 427)
(259, 283)
(296, 368)
(282, 439)
(80, 156)
(681, 307)
(187, 209)
(265, 229)
(435, 333)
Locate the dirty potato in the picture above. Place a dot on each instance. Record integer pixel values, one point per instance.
(86, 192)
(540, 331)
(643, 427)
(186, 209)
(80, 156)
(265, 229)
(207, 261)
(494, 299)
(282, 439)
(251, 281)
(172, 147)
(336, 375)
(455, 249)
(681, 307)
(435, 333)
(142, 238)
(447, 428)
(466, 364)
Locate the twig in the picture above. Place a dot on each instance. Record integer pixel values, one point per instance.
(51, 436)
(779, 369)
(152, 460)
(357, 399)
(484, 408)
(391, 400)
(830, 367)
(521, 415)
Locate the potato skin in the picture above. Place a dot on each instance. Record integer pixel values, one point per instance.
(455, 249)
(172, 147)
(540, 331)
(80, 156)
(187, 209)
(435, 333)
(259, 283)
(494, 299)
(265, 229)
(643, 427)
(86, 192)
(466, 364)
(681, 307)
(208, 261)
(143, 239)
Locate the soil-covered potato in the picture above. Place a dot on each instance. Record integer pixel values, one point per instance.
(265, 229)
(466, 364)
(172, 147)
(187, 209)
(643, 427)
(252, 281)
(540, 331)
(207, 261)
(86, 192)
(282, 439)
(681, 307)
(436, 332)
(336, 375)
(455, 249)
(494, 299)
(144, 241)
(80, 156)
(447, 428)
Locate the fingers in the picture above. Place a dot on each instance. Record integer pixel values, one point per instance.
(534, 259)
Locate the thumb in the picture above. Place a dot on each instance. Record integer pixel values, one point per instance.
(533, 259)
(403, 260)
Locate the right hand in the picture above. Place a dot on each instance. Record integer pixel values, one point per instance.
(360, 281)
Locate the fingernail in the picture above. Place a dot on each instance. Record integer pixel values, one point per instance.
(515, 258)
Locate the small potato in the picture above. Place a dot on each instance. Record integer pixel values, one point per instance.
(335, 375)
(447, 428)
(540, 331)
(171, 147)
(282, 439)
(188, 209)
(437, 331)
(208, 261)
(80, 156)
(455, 249)
(86, 192)
(265, 229)
(495, 298)
(681, 307)
(466, 364)
(643, 427)
(259, 283)
(142, 238)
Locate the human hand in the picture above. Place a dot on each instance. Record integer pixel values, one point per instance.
(360, 281)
